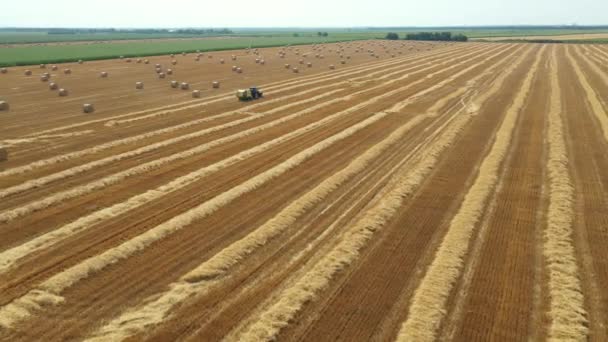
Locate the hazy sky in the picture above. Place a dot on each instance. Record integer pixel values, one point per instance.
(325, 13)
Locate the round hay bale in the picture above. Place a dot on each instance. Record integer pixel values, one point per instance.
(139, 85)
(172, 55)
(174, 62)
(197, 59)
(42, 66)
(295, 70)
(174, 84)
(3, 70)
(183, 54)
(122, 57)
(347, 57)
(210, 56)
(234, 67)
(54, 68)
(161, 75)
(4, 105)
(309, 64)
(128, 60)
(257, 61)
(215, 84)
(239, 70)
(342, 62)
(184, 86)
(158, 70)
(321, 56)
(44, 78)
(196, 94)
(103, 74)
(262, 62)
(222, 61)
(332, 67)
(146, 61)
(169, 71)
(301, 61)
(67, 71)
(138, 61)
(88, 108)
(63, 92)
(157, 66)
(287, 66)
(233, 57)
(28, 73)
(53, 86)
(80, 61)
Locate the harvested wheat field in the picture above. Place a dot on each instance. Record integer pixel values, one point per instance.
(455, 191)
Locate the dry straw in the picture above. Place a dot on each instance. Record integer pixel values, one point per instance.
(10, 257)
(281, 86)
(280, 313)
(82, 223)
(430, 298)
(197, 281)
(567, 303)
(592, 97)
(49, 291)
(41, 204)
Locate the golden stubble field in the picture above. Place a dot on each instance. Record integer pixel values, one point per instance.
(417, 192)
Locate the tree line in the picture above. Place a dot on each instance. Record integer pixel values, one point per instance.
(433, 36)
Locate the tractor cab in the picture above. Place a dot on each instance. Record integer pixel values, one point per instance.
(252, 93)
(255, 92)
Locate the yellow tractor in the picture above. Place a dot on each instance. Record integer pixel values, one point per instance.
(252, 93)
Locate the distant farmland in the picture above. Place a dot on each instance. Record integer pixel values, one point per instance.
(33, 54)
